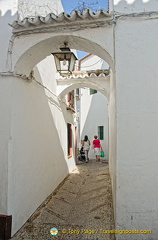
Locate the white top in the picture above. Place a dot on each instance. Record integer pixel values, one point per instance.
(86, 145)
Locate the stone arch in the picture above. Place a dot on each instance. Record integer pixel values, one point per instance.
(71, 87)
(39, 46)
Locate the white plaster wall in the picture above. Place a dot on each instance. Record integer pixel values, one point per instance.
(32, 8)
(137, 128)
(45, 72)
(93, 113)
(8, 13)
(135, 6)
(8, 9)
(38, 153)
(93, 62)
(94, 108)
(112, 137)
(8, 5)
(111, 5)
(5, 139)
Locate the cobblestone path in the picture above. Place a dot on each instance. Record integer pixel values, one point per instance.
(80, 209)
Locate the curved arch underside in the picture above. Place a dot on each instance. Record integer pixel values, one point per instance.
(35, 47)
(81, 85)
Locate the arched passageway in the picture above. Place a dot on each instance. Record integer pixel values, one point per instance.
(36, 45)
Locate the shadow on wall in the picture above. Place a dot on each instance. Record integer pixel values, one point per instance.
(136, 5)
(7, 17)
(97, 115)
(38, 158)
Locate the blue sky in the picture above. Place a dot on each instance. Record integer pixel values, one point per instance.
(69, 5)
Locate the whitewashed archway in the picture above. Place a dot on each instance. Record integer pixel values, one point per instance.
(80, 85)
(38, 40)
(101, 84)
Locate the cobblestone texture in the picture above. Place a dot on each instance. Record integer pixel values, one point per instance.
(83, 203)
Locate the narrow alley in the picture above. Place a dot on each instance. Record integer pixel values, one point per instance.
(81, 207)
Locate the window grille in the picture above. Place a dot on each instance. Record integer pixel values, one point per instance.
(92, 91)
(101, 132)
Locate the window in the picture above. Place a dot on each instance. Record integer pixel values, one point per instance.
(92, 91)
(101, 132)
(69, 139)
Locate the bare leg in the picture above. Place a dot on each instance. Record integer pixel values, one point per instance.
(86, 155)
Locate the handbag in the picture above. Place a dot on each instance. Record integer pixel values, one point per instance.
(101, 153)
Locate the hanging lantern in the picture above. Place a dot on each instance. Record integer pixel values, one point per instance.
(65, 60)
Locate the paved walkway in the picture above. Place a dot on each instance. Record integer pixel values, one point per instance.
(80, 209)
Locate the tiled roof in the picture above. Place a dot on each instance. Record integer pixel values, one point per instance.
(52, 19)
(87, 74)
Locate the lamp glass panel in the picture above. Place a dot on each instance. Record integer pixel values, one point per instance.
(64, 65)
(65, 61)
(57, 62)
(72, 62)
